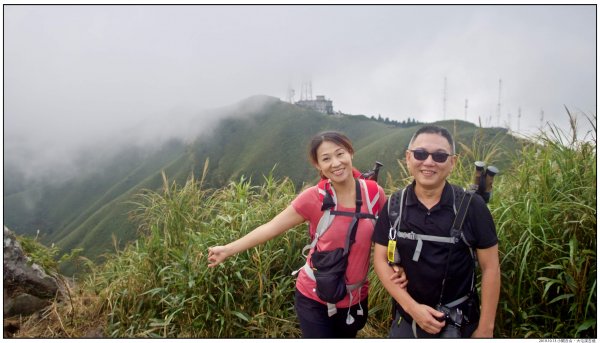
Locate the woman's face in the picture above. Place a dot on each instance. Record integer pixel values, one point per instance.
(428, 173)
(334, 162)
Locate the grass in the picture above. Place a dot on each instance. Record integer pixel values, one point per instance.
(546, 220)
(161, 285)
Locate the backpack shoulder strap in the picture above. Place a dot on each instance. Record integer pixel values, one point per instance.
(371, 190)
(463, 198)
(394, 207)
(327, 195)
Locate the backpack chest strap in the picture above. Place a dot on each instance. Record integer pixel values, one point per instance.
(420, 238)
(360, 215)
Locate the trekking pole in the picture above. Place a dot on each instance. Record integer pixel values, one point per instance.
(479, 171)
(373, 174)
(483, 180)
(489, 180)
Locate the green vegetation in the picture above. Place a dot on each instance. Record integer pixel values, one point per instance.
(46, 257)
(546, 219)
(160, 286)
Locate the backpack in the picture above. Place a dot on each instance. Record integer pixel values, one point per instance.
(329, 267)
(395, 210)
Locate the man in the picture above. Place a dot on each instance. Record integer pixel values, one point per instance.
(440, 273)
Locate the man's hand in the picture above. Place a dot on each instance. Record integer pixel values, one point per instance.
(428, 318)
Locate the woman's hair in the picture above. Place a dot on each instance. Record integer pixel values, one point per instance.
(442, 131)
(331, 136)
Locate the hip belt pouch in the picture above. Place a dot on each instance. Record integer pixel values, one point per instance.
(330, 274)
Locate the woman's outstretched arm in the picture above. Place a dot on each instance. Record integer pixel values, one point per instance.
(282, 222)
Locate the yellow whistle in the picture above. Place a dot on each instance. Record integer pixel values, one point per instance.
(391, 251)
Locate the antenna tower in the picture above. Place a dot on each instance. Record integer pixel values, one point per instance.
(519, 120)
(499, 110)
(445, 91)
(542, 118)
(466, 106)
(290, 94)
(306, 90)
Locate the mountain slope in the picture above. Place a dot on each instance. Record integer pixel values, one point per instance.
(254, 136)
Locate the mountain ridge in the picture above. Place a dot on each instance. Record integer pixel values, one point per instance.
(255, 135)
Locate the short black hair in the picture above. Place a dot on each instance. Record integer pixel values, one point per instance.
(442, 131)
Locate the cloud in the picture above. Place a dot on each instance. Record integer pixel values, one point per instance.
(76, 76)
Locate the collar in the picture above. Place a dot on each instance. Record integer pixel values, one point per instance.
(447, 199)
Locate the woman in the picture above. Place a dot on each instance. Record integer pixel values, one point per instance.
(441, 299)
(331, 154)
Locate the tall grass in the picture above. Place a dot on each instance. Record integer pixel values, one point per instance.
(160, 286)
(546, 220)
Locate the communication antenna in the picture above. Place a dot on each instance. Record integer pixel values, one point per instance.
(306, 90)
(466, 106)
(519, 120)
(542, 118)
(290, 95)
(445, 90)
(499, 110)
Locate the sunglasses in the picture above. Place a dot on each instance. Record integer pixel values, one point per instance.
(422, 155)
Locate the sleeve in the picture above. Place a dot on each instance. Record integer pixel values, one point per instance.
(382, 226)
(382, 198)
(482, 224)
(307, 203)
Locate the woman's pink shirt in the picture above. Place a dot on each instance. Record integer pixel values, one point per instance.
(308, 205)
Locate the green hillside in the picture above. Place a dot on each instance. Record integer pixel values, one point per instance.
(253, 137)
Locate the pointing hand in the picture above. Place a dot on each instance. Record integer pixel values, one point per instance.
(217, 255)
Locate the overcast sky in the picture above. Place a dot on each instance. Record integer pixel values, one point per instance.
(75, 75)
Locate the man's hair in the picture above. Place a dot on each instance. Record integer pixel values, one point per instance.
(442, 131)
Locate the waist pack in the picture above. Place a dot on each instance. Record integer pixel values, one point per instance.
(329, 268)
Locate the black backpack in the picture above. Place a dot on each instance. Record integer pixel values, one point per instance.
(395, 209)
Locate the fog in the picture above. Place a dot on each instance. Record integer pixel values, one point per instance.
(80, 76)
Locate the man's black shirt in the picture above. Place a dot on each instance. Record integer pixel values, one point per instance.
(425, 275)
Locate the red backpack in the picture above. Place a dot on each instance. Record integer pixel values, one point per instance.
(329, 202)
(330, 274)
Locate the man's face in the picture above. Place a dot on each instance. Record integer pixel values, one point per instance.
(429, 173)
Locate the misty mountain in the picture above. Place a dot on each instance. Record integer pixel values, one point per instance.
(254, 137)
